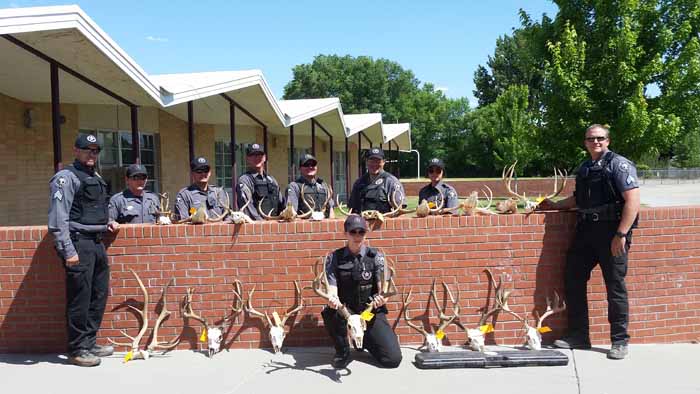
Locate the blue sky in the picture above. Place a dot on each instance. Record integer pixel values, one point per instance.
(440, 41)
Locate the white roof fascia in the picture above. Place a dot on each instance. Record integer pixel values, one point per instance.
(35, 19)
(297, 111)
(392, 131)
(360, 122)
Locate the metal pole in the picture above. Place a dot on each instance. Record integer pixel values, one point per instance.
(313, 137)
(389, 152)
(417, 165)
(56, 118)
(331, 160)
(291, 154)
(359, 154)
(135, 141)
(233, 146)
(267, 148)
(190, 128)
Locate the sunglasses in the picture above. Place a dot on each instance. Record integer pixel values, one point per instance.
(139, 177)
(309, 165)
(596, 139)
(200, 171)
(93, 151)
(434, 170)
(358, 232)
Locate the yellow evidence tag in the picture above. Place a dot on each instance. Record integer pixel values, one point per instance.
(367, 316)
(486, 328)
(203, 337)
(544, 329)
(431, 205)
(128, 356)
(440, 334)
(192, 211)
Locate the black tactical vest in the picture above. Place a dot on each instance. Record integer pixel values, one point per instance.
(356, 280)
(91, 202)
(595, 186)
(312, 192)
(374, 196)
(264, 189)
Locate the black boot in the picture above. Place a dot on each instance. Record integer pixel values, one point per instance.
(341, 358)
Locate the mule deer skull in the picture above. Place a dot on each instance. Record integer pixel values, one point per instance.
(477, 336)
(533, 335)
(433, 339)
(276, 325)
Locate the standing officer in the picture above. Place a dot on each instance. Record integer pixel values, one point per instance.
(431, 192)
(78, 215)
(258, 185)
(200, 192)
(373, 189)
(353, 274)
(315, 190)
(134, 204)
(607, 198)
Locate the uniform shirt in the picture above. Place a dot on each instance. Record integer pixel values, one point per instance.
(192, 197)
(63, 186)
(294, 193)
(332, 263)
(432, 194)
(246, 185)
(624, 173)
(391, 184)
(125, 207)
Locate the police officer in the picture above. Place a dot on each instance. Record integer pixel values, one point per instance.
(134, 204)
(315, 189)
(200, 192)
(78, 215)
(353, 274)
(373, 189)
(258, 185)
(431, 192)
(607, 198)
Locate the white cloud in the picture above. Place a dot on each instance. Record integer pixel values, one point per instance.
(156, 39)
(442, 89)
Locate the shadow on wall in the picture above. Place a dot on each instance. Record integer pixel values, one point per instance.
(35, 320)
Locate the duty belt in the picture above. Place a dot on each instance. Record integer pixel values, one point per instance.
(97, 237)
(603, 213)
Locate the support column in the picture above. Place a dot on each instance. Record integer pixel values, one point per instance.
(190, 128)
(233, 147)
(359, 154)
(347, 170)
(331, 160)
(291, 154)
(313, 137)
(135, 140)
(56, 118)
(267, 148)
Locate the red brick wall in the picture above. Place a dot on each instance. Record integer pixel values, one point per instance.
(529, 186)
(664, 275)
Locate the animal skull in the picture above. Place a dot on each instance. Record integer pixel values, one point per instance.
(356, 329)
(276, 325)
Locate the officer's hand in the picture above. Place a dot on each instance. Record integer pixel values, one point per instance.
(73, 260)
(546, 204)
(113, 227)
(617, 246)
(334, 302)
(378, 301)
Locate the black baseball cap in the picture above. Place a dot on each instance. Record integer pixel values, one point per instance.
(199, 163)
(435, 162)
(136, 169)
(375, 153)
(254, 148)
(354, 222)
(85, 140)
(306, 158)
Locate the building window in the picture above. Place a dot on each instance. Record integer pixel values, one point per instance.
(117, 154)
(222, 161)
(339, 176)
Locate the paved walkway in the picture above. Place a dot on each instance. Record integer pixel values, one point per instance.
(658, 369)
(668, 194)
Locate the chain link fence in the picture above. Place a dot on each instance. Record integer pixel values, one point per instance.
(669, 175)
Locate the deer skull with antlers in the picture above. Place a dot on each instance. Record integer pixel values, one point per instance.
(397, 208)
(368, 215)
(136, 352)
(477, 336)
(530, 205)
(356, 323)
(213, 333)
(164, 215)
(433, 339)
(426, 208)
(533, 335)
(276, 325)
(316, 215)
(240, 217)
(200, 215)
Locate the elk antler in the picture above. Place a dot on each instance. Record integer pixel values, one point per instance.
(135, 341)
(550, 311)
(164, 314)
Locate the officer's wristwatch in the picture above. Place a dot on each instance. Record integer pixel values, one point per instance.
(620, 234)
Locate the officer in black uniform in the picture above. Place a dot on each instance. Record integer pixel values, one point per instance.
(607, 198)
(373, 189)
(135, 204)
(78, 216)
(200, 192)
(258, 185)
(431, 192)
(315, 189)
(353, 274)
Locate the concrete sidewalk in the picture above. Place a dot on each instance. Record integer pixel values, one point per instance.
(659, 369)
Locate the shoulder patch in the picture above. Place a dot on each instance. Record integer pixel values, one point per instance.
(61, 181)
(380, 259)
(58, 195)
(630, 179)
(379, 181)
(624, 167)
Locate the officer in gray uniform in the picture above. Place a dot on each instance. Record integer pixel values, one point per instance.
(200, 192)
(431, 192)
(78, 216)
(315, 189)
(258, 185)
(353, 274)
(607, 198)
(134, 204)
(373, 189)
